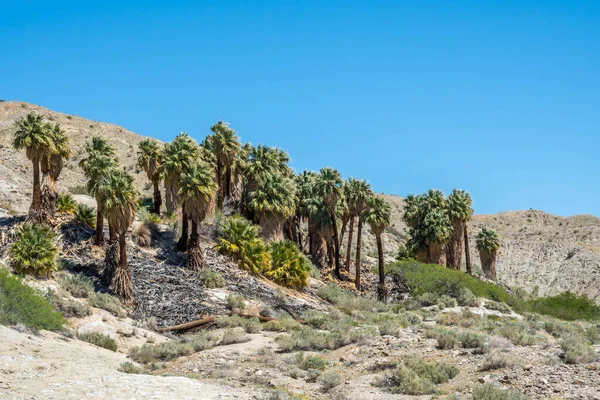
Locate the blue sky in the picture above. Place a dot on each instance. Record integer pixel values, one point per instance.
(501, 98)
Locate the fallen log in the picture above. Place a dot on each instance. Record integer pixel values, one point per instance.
(189, 325)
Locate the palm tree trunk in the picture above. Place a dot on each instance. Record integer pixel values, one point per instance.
(358, 261)
(455, 246)
(348, 250)
(156, 200)
(48, 196)
(183, 240)
(467, 252)
(195, 260)
(343, 231)
(381, 289)
(271, 227)
(99, 234)
(35, 210)
(121, 283)
(330, 253)
(336, 245)
(488, 263)
(221, 189)
(298, 228)
(437, 253)
(111, 256)
(169, 200)
(227, 181)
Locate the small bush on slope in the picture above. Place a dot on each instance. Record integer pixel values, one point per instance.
(76, 284)
(288, 267)
(184, 346)
(576, 349)
(33, 252)
(489, 392)
(99, 340)
(21, 304)
(68, 307)
(417, 376)
(108, 303)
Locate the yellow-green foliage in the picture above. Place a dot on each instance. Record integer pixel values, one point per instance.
(86, 215)
(33, 252)
(65, 203)
(238, 238)
(289, 267)
(99, 339)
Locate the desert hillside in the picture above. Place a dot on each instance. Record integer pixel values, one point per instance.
(539, 251)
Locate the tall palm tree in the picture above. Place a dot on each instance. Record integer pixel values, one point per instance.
(120, 199)
(225, 145)
(178, 157)
(358, 193)
(51, 165)
(274, 201)
(378, 216)
(488, 244)
(320, 230)
(460, 211)
(149, 157)
(305, 183)
(330, 185)
(198, 189)
(32, 135)
(100, 159)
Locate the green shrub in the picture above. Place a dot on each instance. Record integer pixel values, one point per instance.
(108, 303)
(312, 362)
(328, 380)
(274, 326)
(417, 376)
(494, 305)
(68, 307)
(289, 267)
(332, 293)
(130, 368)
(236, 302)
(518, 333)
(490, 392)
(576, 349)
(232, 336)
(170, 350)
(471, 340)
(78, 285)
(466, 298)
(498, 360)
(98, 339)
(65, 203)
(428, 299)
(250, 325)
(211, 279)
(567, 306)
(309, 339)
(33, 252)
(238, 238)
(21, 304)
(86, 215)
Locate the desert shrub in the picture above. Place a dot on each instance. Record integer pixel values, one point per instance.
(166, 351)
(449, 319)
(471, 340)
(21, 304)
(86, 215)
(494, 305)
(389, 328)
(312, 362)
(142, 234)
(107, 302)
(518, 333)
(232, 336)
(76, 284)
(238, 238)
(446, 339)
(33, 252)
(490, 392)
(328, 380)
(466, 298)
(99, 339)
(417, 376)
(567, 306)
(576, 349)
(332, 293)
(428, 299)
(235, 302)
(289, 267)
(68, 307)
(211, 279)
(65, 203)
(274, 326)
(498, 360)
(309, 339)
(130, 368)
(250, 325)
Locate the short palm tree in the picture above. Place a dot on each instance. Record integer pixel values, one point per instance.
(378, 216)
(66, 204)
(33, 251)
(100, 159)
(238, 238)
(459, 211)
(436, 232)
(330, 186)
(51, 165)
(358, 193)
(149, 157)
(198, 190)
(274, 202)
(34, 136)
(120, 206)
(225, 145)
(289, 267)
(488, 244)
(178, 157)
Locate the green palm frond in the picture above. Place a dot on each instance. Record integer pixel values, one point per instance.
(488, 240)
(378, 214)
(459, 205)
(33, 135)
(238, 238)
(149, 156)
(33, 252)
(330, 186)
(120, 199)
(357, 193)
(197, 190)
(65, 203)
(275, 195)
(289, 267)
(86, 215)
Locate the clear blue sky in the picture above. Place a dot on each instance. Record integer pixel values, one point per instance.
(501, 98)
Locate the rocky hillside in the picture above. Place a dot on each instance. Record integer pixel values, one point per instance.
(551, 253)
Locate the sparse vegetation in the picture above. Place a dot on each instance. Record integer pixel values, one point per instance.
(498, 360)
(329, 379)
(576, 349)
(211, 279)
(68, 307)
(98, 339)
(250, 325)
(233, 336)
(167, 351)
(490, 392)
(76, 284)
(108, 303)
(417, 376)
(235, 303)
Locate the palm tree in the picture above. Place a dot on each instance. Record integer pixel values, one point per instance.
(33, 136)
(460, 211)
(274, 202)
(51, 165)
(99, 161)
(436, 231)
(178, 157)
(488, 244)
(330, 185)
(149, 157)
(225, 145)
(120, 203)
(378, 216)
(320, 230)
(197, 192)
(305, 183)
(358, 193)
